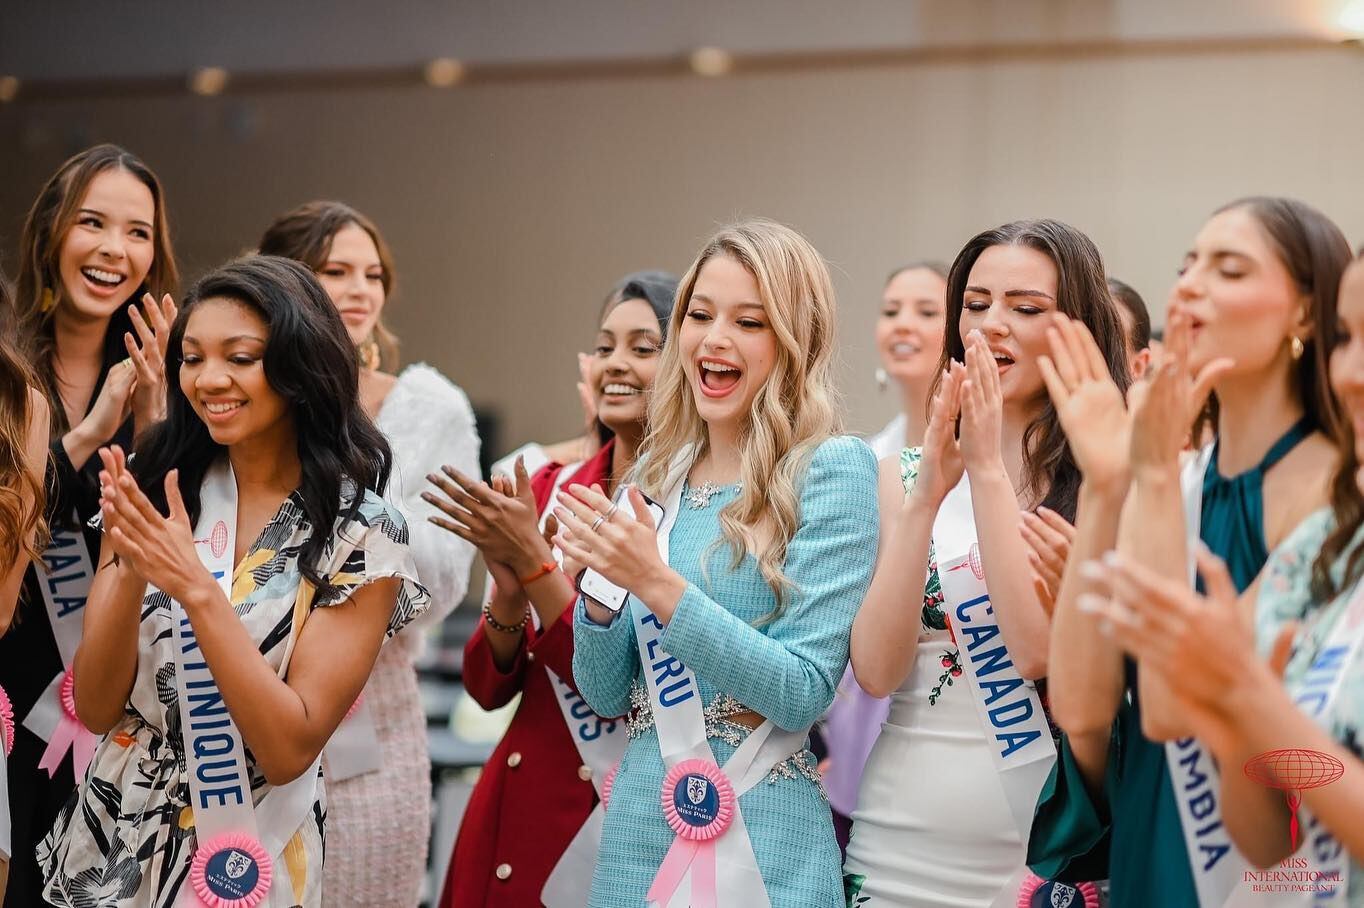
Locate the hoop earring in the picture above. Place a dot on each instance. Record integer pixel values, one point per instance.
(368, 353)
(882, 379)
(1295, 347)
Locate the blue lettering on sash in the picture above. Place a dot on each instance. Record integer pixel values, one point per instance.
(593, 726)
(219, 763)
(996, 659)
(663, 666)
(961, 609)
(66, 590)
(1318, 680)
(1201, 798)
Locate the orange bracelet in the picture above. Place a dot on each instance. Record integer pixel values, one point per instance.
(546, 568)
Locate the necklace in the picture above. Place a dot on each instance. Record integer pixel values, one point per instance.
(699, 496)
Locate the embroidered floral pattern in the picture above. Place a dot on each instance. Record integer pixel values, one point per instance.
(934, 614)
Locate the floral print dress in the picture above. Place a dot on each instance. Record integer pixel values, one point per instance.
(1286, 595)
(127, 836)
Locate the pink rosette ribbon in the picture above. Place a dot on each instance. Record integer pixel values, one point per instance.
(69, 734)
(607, 784)
(231, 871)
(1055, 893)
(699, 805)
(6, 722)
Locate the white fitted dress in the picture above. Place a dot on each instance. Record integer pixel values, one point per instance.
(932, 826)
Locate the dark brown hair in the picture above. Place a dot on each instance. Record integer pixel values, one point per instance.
(1050, 474)
(305, 235)
(52, 215)
(1347, 506)
(1130, 299)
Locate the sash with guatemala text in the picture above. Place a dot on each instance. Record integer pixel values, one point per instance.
(64, 579)
(1007, 705)
(1216, 864)
(711, 863)
(239, 843)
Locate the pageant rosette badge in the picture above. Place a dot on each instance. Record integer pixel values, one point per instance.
(698, 803)
(1039, 893)
(232, 871)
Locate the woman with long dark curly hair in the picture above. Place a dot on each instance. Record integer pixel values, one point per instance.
(214, 629)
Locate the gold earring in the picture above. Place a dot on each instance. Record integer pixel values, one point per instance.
(48, 301)
(368, 352)
(1295, 347)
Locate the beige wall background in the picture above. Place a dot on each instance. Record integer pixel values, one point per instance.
(513, 208)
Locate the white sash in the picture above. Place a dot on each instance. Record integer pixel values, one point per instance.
(65, 585)
(1218, 868)
(600, 744)
(1315, 694)
(219, 783)
(680, 722)
(1007, 705)
(353, 749)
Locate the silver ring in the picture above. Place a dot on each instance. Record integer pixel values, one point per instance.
(611, 512)
(598, 522)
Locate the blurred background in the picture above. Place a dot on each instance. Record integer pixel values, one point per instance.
(521, 155)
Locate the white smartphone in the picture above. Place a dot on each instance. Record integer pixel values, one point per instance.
(598, 588)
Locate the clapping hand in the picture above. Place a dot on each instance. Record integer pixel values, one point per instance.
(941, 468)
(159, 549)
(1164, 408)
(1049, 537)
(148, 354)
(982, 409)
(1200, 644)
(1088, 403)
(498, 518)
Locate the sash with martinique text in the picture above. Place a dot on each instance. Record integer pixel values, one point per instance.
(239, 842)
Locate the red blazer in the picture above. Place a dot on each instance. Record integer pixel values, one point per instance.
(530, 799)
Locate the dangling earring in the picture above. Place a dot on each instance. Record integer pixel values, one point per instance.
(368, 352)
(1295, 347)
(882, 379)
(48, 301)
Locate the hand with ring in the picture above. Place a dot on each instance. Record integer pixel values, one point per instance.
(620, 545)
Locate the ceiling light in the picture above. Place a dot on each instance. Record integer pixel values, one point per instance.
(443, 72)
(711, 61)
(208, 81)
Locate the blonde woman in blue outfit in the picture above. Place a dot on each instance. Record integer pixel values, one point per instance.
(735, 633)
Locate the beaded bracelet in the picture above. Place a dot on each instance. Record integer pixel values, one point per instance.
(496, 625)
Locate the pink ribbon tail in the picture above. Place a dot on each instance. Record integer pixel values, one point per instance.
(703, 876)
(83, 751)
(672, 871)
(63, 737)
(69, 734)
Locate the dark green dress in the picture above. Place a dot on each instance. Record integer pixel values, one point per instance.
(1131, 833)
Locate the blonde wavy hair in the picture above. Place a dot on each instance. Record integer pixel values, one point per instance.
(794, 411)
